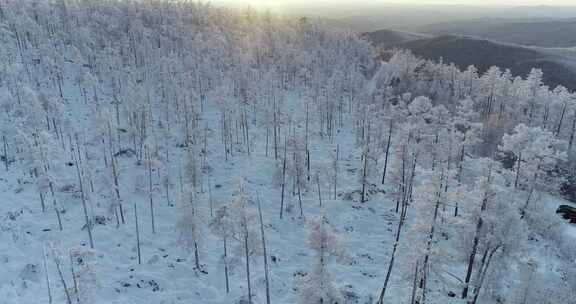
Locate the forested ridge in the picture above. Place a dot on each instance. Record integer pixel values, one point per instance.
(176, 152)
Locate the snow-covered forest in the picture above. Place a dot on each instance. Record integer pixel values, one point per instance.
(176, 152)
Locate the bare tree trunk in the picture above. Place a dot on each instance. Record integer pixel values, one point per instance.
(224, 134)
(226, 267)
(267, 137)
(483, 274)
(246, 126)
(247, 254)
(167, 186)
(84, 207)
(461, 163)
(518, 170)
(46, 275)
(283, 180)
(336, 170)
(308, 162)
(559, 128)
(398, 197)
(74, 278)
(5, 144)
(42, 201)
(117, 187)
(61, 275)
(306, 141)
(150, 191)
(425, 265)
(196, 256)
(388, 144)
(137, 234)
(525, 207)
(210, 199)
(59, 81)
(476, 239)
(364, 177)
(571, 140)
(414, 283)
(265, 254)
(319, 191)
(55, 206)
(471, 259)
(412, 176)
(392, 258)
(434, 151)
(299, 193)
(295, 175)
(275, 134)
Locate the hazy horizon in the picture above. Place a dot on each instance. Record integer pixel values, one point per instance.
(369, 15)
(331, 4)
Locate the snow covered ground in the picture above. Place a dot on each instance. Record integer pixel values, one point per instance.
(167, 273)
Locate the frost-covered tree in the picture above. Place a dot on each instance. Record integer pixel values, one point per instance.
(422, 233)
(192, 169)
(318, 286)
(189, 227)
(245, 224)
(222, 225)
(84, 274)
(537, 148)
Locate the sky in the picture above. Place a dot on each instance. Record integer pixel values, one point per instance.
(279, 4)
(365, 15)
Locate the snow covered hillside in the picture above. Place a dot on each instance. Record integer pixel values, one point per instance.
(173, 152)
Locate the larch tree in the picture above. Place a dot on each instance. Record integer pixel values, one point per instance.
(318, 287)
(245, 227)
(422, 233)
(189, 227)
(536, 151)
(222, 225)
(85, 276)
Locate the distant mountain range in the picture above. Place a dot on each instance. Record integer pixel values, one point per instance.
(394, 39)
(416, 18)
(559, 66)
(537, 32)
